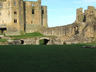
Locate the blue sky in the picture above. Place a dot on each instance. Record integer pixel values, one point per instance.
(63, 12)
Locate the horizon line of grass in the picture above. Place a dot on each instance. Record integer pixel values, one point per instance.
(28, 35)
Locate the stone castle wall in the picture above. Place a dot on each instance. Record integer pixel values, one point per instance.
(36, 16)
(18, 16)
(84, 28)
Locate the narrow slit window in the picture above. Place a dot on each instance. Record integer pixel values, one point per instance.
(15, 20)
(33, 11)
(95, 28)
(42, 11)
(15, 12)
(84, 20)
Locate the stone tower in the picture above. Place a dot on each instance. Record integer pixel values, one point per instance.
(18, 16)
(79, 15)
(12, 17)
(16, 24)
(35, 15)
(87, 21)
(39, 1)
(88, 15)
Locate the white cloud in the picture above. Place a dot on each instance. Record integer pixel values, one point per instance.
(77, 2)
(89, 1)
(84, 1)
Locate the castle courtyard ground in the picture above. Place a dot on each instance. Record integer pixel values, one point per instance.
(52, 58)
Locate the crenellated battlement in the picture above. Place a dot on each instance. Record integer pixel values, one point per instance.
(86, 16)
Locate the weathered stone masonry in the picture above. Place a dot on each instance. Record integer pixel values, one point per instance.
(83, 29)
(18, 16)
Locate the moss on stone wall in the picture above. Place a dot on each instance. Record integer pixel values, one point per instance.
(3, 40)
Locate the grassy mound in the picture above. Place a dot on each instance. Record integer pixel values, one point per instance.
(55, 58)
(3, 40)
(28, 35)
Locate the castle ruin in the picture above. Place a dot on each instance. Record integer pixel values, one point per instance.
(18, 16)
(83, 29)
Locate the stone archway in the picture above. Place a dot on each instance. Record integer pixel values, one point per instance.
(2, 30)
(44, 41)
(22, 41)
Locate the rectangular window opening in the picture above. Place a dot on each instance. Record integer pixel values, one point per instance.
(42, 11)
(33, 11)
(15, 12)
(15, 20)
(95, 28)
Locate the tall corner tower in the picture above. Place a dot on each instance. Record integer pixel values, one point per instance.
(39, 1)
(16, 25)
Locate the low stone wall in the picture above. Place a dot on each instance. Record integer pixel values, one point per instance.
(35, 41)
(30, 41)
(3, 43)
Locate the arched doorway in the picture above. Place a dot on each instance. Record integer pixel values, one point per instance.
(43, 41)
(22, 41)
(3, 30)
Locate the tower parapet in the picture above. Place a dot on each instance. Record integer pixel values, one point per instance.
(88, 15)
(91, 8)
(79, 15)
(39, 1)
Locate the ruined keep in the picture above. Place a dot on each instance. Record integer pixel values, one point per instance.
(18, 16)
(83, 30)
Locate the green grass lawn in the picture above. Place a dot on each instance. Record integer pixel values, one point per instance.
(27, 35)
(3, 40)
(55, 58)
